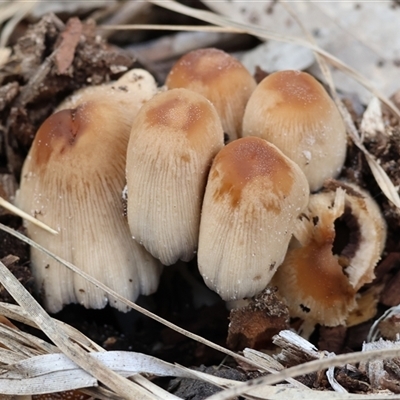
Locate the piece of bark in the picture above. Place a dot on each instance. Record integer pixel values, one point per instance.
(294, 349)
(255, 324)
(390, 327)
(69, 41)
(353, 380)
(332, 338)
(356, 336)
(388, 264)
(390, 296)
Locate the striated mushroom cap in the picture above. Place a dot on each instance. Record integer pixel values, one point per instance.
(254, 195)
(72, 179)
(336, 246)
(220, 78)
(172, 144)
(292, 110)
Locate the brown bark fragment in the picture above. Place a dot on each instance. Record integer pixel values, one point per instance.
(352, 380)
(390, 327)
(66, 49)
(332, 338)
(391, 294)
(255, 324)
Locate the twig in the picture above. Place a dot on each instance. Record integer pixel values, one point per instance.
(185, 28)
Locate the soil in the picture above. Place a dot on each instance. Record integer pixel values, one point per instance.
(32, 83)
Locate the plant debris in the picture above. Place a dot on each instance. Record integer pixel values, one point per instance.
(255, 324)
(49, 62)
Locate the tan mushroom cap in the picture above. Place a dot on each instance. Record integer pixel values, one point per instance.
(220, 78)
(292, 110)
(131, 90)
(72, 179)
(172, 144)
(336, 246)
(254, 194)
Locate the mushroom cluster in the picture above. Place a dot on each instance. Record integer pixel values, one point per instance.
(246, 208)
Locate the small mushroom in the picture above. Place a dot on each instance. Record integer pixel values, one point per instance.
(254, 195)
(336, 246)
(293, 111)
(220, 78)
(72, 179)
(172, 144)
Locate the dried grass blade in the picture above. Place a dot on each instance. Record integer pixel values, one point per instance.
(382, 179)
(9, 9)
(125, 301)
(57, 381)
(120, 385)
(10, 207)
(184, 28)
(9, 357)
(261, 33)
(22, 8)
(33, 343)
(56, 372)
(18, 314)
(255, 386)
(19, 342)
(380, 175)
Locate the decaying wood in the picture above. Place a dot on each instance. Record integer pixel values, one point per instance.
(254, 325)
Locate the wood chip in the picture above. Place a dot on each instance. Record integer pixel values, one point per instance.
(69, 40)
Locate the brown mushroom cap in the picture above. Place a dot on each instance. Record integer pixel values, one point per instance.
(292, 110)
(220, 78)
(336, 245)
(72, 179)
(172, 144)
(254, 194)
